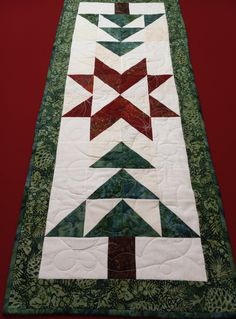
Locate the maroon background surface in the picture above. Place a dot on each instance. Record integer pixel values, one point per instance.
(27, 33)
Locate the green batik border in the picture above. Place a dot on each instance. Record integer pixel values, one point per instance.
(28, 295)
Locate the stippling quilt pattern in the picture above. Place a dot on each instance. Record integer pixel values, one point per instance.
(121, 212)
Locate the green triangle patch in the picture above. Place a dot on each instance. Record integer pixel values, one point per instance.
(120, 48)
(150, 18)
(122, 220)
(173, 226)
(121, 19)
(121, 34)
(72, 225)
(122, 185)
(93, 18)
(121, 156)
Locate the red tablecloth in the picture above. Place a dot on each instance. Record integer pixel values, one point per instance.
(27, 34)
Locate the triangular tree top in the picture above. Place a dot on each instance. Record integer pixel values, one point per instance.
(122, 185)
(173, 226)
(150, 18)
(93, 18)
(122, 221)
(121, 19)
(120, 48)
(121, 34)
(121, 156)
(72, 225)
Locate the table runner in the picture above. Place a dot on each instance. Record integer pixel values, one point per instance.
(121, 211)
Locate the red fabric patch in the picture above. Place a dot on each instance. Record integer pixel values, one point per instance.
(121, 258)
(81, 110)
(120, 82)
(121, 8)
(117, 109)
(84, 80)
(157, 109)
(154, 81)
(107, 75)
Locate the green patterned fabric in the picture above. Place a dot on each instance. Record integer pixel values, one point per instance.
(72, 225)
(26, 294)
(122, 185)
(122, 19)
(120, 48)
(173, 226)
(122, 156)
(93, 18)
(121, 34)
(122, 220)
(150, 18)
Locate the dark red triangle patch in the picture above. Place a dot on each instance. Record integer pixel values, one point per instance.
(85, 80)
(157, 109)
(154, 81)
(108, 75)
(81, 110)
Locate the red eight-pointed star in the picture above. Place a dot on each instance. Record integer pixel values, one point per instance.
(120, 108)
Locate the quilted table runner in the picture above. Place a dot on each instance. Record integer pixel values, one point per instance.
(121, 213)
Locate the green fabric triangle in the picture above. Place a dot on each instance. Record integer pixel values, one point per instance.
(150, 18)
(122, 220)
(121, 34)
(122, 185)
(121, 156)
(121, 19)
(120, 48)
(173, 226)
(72, 225)
(93, 18)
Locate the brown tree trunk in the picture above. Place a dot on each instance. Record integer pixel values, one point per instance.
(121, 258)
